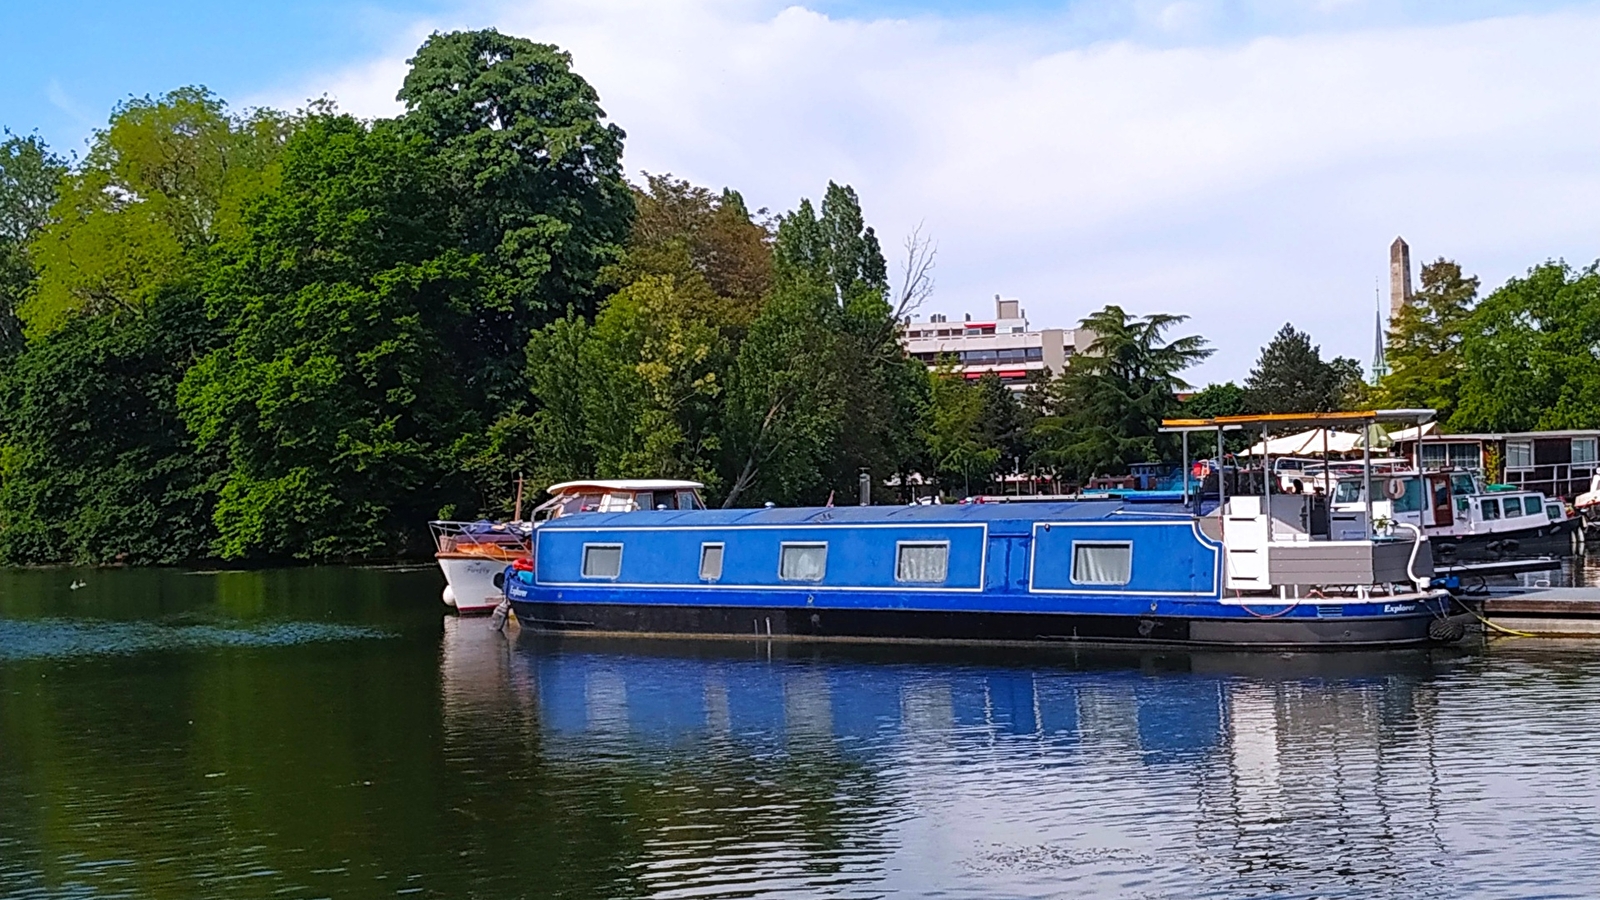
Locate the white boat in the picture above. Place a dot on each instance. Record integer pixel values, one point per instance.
(474, 555)
(1455, 508)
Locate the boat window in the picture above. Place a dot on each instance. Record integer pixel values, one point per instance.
(616, 502)
(602, 560)
(688, 500)
(1347, 492)
(1532, 506)
(1519, 454)
(710, 562)
(1411, 500)
(1553, 510)
(922, 563)
(645, 499)
(1102, 563)
(1462, 483)
(1491, 508)
(803, 562)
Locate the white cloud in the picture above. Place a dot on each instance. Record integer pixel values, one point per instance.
(1246, 184)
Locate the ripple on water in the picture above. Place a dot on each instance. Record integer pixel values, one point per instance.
(61, 639)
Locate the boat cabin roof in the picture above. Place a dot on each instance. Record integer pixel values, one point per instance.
(1074, 510)
(625, 484)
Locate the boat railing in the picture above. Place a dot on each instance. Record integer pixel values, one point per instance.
(482, 538)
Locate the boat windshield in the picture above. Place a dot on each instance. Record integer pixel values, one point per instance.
(1462, 483)
(1349, 491)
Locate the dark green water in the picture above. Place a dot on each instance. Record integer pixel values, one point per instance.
(329, 733)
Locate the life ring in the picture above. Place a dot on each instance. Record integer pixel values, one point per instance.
(1395, 488)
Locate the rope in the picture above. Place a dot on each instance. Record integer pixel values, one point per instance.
(1500, 628)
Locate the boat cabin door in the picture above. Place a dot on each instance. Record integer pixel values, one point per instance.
(1439, 499)
(1006, 569)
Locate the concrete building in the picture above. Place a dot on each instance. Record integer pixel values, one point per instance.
(1002, 344)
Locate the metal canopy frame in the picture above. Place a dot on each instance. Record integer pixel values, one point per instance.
(1365, 418)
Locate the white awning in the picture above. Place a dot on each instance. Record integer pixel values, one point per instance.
(1308, 443)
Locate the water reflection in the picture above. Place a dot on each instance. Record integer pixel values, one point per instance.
(449, 760)
(780, 768)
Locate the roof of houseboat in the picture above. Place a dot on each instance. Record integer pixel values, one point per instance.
(625, 484)
(1054, 511)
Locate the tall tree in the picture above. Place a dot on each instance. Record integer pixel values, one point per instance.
(1528, 353)
(682, 229)
(1424, 346)
(338, 395)
(167, 177)
(835, 371)
(29, 178)
(1109, 403)
(1290, 375)
(536, 180)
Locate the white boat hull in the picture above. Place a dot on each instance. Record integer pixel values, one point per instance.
(470, 582)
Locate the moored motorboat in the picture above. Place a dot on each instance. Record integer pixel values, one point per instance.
(1459, 512)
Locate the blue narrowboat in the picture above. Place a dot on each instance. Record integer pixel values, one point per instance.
(1249, 571)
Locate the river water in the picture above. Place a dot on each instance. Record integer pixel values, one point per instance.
(329, 733)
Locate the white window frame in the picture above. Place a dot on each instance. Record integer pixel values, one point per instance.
(583, 569)
(1073, 563)
(899, 546)
(722, 558)
(1519, 444)
(785, 545)
(1593, 450)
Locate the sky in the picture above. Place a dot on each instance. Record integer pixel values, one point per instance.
(1242, 162)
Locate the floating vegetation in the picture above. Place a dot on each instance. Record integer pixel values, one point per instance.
(61, 638)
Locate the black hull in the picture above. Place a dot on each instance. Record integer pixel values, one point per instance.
(661, 620)
(1553, 538)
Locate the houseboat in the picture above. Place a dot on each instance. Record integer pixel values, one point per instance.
(1248, 571)
(473, 555)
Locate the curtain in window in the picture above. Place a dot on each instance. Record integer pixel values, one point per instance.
(926, 563)
(803, 562)
(602, 561)
(1102, 563)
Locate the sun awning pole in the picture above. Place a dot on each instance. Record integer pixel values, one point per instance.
(1366, 472)
(1222, 490)
(1185, 436)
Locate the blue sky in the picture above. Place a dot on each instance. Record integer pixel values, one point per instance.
(1245, 162)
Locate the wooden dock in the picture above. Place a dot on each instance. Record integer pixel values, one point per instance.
(1546, 612)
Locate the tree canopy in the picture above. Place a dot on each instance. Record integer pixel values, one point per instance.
(1291, 376)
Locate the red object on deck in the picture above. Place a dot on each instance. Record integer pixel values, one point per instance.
(523, 564)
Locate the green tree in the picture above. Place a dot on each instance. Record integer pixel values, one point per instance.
(535, 175)
(1424, 346)
(956, 435)
(1109, 403)
(96, 466)
(338, 394)
(1291, 376)
(29, 177)
(684, 230)
(167, 177)
(1528, 353)
(1225, 399)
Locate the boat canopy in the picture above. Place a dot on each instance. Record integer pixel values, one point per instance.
(1315, 419)
(1307, 443)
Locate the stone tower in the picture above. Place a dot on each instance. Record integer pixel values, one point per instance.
(1399, 276)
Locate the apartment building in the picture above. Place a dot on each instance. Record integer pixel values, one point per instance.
(1002, 344)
